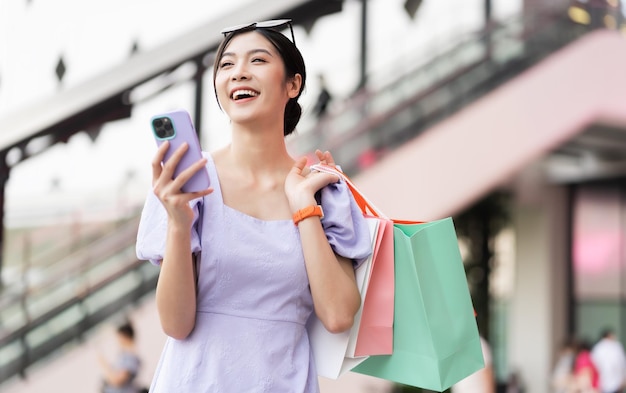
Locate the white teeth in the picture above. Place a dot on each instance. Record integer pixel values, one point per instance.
(241, 93)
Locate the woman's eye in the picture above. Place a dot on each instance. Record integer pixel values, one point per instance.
(225, 64)
(258, 60)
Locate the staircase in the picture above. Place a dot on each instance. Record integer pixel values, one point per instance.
(374, 122)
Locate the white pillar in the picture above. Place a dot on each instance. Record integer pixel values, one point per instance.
(537, 319)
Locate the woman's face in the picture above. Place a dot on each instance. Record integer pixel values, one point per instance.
(251, 82)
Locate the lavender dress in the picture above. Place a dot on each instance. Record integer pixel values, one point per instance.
(253, 296)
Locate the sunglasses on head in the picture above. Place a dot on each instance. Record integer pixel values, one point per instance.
(274, 24)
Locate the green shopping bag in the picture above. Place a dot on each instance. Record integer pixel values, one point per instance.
(435, 336)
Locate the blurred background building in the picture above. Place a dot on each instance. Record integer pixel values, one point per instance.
(508, 115)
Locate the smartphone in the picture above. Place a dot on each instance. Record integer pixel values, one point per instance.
(177, 128)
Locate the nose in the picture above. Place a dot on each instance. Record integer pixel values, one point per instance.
(240, 73)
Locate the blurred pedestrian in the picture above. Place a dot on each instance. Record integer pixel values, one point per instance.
(514, 384)
(483, 380)
(563, 373)
(586, 376)
(323, 99)
(119, 375)
(608, 356)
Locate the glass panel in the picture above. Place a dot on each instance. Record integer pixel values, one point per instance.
(597, 243)
(598, 259)
(593, 317)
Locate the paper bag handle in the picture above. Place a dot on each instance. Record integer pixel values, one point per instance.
(366, 206)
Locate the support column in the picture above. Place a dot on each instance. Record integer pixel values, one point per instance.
(4, 176)
(363, 58)
(487, 27)
(199, 95)
(538, 309)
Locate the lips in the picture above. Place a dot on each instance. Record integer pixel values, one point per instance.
(239, 94)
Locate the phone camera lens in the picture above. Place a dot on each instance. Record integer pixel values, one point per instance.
(163, 127)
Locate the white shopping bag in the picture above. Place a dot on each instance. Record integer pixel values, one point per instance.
(334, 353)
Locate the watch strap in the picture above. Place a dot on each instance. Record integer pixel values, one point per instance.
(309, 211)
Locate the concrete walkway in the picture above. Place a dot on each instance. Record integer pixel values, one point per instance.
(76, 370)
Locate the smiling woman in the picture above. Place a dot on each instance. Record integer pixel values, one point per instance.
(294, 67)
(235, 291)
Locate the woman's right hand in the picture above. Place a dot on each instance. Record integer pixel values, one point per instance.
(168, 189)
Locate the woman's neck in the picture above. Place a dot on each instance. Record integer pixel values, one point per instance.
(259, 149)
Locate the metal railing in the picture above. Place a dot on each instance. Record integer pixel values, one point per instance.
(76, 293)
(374, 122)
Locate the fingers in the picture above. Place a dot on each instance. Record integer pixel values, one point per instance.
(169, 166)
(298, 166)
(320, 156)
(325, 157)
(163, 171)
(322, 179)
(187, 173)
(157, 160)
(165, 168)
(200, 194)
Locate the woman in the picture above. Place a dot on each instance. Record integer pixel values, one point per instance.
(236, 320)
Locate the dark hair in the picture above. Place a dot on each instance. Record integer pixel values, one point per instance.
(294, 64)
(606, 332)
(126, 330)
(584, 345)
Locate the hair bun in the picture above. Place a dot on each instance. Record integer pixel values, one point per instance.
(293, 112)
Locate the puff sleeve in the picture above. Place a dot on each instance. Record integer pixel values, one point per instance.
(346, 229)
(152, 231)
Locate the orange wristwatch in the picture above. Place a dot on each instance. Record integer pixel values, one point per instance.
(309, 211)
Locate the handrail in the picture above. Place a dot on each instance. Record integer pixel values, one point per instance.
(113, 253)
(362, 110)
(36, 245)
(372, 120)
(75, 263)
(78, 298)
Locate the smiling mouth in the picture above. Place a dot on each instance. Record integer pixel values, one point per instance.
(241, 94)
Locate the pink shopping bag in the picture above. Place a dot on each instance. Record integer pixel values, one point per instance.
(375, 336)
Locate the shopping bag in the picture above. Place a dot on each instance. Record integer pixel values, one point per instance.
(375, 334)
(374, 321)
(334, 352)
(435, 337)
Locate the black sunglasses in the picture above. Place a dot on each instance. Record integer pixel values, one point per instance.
(274, 24)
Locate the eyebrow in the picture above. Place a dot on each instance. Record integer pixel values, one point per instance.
(250, 52)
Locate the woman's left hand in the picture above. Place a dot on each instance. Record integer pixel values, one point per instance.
(302, 183)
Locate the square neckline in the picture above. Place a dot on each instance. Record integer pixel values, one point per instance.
(217, 190)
